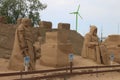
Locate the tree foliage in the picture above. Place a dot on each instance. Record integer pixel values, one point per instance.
(14, 9)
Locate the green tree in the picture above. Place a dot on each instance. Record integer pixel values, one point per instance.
(14, 9)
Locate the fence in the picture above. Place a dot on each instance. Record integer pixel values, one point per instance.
(60, 72)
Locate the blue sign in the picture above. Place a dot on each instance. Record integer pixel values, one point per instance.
(111, 57)
(27, 59)
(71, 57)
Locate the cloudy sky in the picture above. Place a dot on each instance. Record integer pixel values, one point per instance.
(105, 14)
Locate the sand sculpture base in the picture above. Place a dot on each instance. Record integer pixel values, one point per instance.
(56, 49)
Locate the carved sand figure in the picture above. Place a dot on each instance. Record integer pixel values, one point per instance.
(37, 46)
(91, 45)
(23, 46)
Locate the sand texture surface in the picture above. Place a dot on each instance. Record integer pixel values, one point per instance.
(78, 61)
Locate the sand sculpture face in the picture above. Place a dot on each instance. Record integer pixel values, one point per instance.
(23, 46)
(91, 45)
(93, 30)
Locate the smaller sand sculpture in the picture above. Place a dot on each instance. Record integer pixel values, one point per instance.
(111, 45)
(91, 48)
(23, 46)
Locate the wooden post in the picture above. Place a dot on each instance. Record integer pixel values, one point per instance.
(21, 75)
(71, 64)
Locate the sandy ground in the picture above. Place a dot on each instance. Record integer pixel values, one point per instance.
(78, 61)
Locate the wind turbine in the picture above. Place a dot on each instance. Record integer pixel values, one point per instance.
(77, 14)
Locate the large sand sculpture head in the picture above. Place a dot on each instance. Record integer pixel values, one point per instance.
(26, 22)
(93, 30)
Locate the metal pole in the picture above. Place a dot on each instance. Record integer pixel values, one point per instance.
(101, 34)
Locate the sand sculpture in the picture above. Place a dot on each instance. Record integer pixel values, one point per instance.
(56, 49)
(23, 46)
(91, 48)
(7, 34)
(111, 45)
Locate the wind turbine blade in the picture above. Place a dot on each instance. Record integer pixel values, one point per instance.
(78, 8)
(80, 16)
(73, 13)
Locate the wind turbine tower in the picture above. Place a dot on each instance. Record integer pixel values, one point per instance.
(77, 14)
